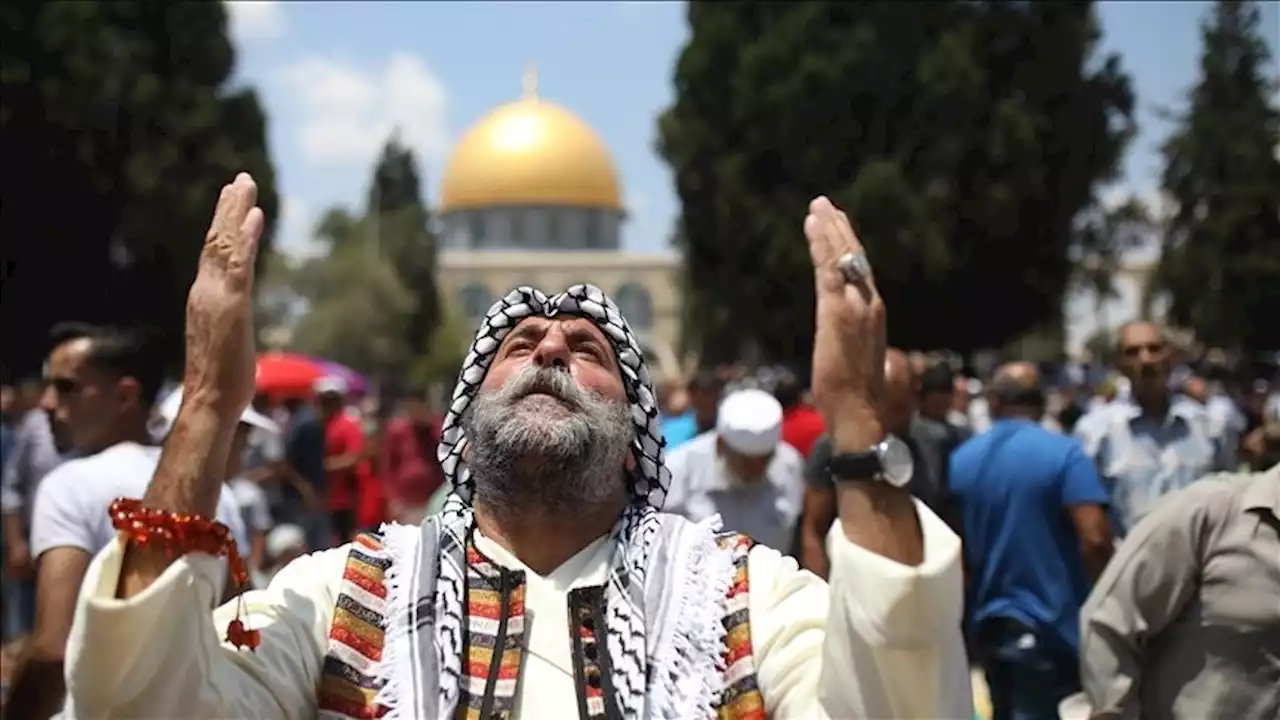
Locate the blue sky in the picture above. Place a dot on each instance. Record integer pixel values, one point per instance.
(336, 77)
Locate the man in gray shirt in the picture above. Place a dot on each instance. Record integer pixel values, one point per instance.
(1185, 621)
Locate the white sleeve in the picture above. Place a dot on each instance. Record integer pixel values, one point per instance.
(678, 489)
(160, 654)
(260, 511)
(272, 447)
(883, 640)
(59, 518)
(229, 514)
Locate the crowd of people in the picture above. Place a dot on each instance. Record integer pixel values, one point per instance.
(1043, 482)
(1101, 561)
(308, 472)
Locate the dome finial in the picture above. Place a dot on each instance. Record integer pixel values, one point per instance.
(530, 82)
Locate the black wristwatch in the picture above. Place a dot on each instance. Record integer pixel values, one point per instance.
(889, 461)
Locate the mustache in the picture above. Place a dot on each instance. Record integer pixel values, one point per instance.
(547, 381)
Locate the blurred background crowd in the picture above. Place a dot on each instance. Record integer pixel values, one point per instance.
(1073, 210)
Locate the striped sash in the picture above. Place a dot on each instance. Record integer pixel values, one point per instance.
(494, 641)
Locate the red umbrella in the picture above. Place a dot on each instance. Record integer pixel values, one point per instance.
(284, 375)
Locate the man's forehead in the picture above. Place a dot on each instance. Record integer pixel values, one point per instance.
(68, 354)
(1138, 332)
(572, 325)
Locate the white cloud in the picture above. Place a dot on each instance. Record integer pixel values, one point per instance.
(636, 203)
(256, 20)
(347, 113)
(293, 231)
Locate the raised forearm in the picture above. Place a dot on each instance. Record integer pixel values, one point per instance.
(188, 480)
(875, 515)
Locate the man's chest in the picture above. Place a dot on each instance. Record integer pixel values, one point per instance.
(531, 647)
(764, 510)
(1143, 453)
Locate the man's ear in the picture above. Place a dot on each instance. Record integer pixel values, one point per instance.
(630, 464)
(129, 392)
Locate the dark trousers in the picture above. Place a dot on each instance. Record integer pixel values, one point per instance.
(1027, 677)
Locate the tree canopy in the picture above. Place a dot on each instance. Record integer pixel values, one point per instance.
(1221, 259)
(963, 139)
(371, 300)
(119, 126)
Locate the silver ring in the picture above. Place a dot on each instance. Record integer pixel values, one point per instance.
(854, 266)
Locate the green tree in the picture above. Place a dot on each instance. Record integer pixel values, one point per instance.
(405, 239)
(1221, 260)
(964, 139)
(371, 297)
(119, 125)
(357, 310)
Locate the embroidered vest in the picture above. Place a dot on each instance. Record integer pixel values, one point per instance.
(494, 640)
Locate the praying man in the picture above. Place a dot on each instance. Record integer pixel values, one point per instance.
(551, 585)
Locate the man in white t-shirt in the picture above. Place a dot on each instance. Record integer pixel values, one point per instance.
(102, 382)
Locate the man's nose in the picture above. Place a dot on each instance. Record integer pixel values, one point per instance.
(49, 399)
(552, 351)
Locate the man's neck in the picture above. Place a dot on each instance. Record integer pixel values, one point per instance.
(1155, 405)
(543, 541)
(132, 432)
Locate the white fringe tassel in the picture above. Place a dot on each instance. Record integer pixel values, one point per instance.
(401, 545)
(691, 678)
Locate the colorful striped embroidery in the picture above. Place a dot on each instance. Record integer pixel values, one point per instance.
(742, 698)
(494, 639)
(347, 683)
(495, 619)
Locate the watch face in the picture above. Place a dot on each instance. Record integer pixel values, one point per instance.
(895, 461)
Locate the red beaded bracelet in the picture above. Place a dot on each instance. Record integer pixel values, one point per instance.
(178, 534)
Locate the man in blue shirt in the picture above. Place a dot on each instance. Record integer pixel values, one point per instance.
(1035, 537)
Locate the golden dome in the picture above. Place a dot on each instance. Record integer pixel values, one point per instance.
(530, 152)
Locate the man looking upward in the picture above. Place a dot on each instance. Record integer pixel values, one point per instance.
(551, 585)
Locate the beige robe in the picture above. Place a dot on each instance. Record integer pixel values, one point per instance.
(881, 641)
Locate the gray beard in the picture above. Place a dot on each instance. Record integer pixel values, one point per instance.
(542, 443)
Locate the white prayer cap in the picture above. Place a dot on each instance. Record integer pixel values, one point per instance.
(251, 417)
(284, 538)
(750, 422)
(330, 384)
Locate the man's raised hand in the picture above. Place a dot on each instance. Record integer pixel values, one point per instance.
(220, 349)
(849, 332)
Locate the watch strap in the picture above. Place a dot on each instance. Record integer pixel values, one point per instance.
(855, 466)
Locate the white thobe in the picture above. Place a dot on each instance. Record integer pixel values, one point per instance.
(882, 641)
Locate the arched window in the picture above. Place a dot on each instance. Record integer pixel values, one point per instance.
(591, 230)
(635, 305)
(476, 228)
(474, 300)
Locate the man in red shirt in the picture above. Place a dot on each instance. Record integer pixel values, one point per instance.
(801, 424)
(343, 453)
(407, 463)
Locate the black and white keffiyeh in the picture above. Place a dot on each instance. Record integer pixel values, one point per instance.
(437, 560)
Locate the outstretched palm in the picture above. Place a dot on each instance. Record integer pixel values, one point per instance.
(219, 336)
(849, 334)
